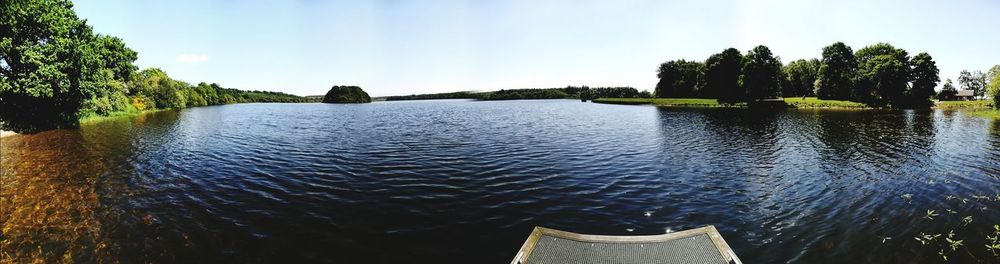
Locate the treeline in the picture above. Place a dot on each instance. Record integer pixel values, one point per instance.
(878, 75)
(569, 92)
(529, 93)
(55, 70)
(454, 95)
(979, 83)
(153, 89)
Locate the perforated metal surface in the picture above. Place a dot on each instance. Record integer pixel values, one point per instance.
(695, 249)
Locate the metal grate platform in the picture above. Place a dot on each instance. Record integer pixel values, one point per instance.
(700, 245)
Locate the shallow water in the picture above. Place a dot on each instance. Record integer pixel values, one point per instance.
(464, 182)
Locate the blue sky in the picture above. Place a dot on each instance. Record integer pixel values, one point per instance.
(410, 47)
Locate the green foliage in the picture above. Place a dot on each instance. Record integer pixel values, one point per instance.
(52, 65)
(455, 95)
(975, 81)
(678, 79)
(925, 78)
(722, 77)
(883, 75)
(836, 72)
(346, 95)
(947, 92)
(517, 94)
(993, 89)
(588, 93)
(760, 74)
(801, 75)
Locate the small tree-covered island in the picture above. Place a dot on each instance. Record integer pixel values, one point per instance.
(346, 95)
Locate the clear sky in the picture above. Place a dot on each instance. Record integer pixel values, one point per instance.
(410, 47)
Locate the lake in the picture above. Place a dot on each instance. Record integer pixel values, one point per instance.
(459, 181)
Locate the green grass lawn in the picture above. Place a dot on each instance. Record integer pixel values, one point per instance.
(977, 104)
(813, 102)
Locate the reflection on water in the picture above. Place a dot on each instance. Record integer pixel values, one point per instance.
(461, 181)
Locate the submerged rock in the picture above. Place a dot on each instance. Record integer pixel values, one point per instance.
(346, 95)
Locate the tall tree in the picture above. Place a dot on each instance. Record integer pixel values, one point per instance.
(722, 76)
(678, 78)
(837, 72)
(760, 74)
(802, 75)
(925, 78)
(883, 75)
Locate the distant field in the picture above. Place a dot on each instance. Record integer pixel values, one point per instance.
(978, 104)
(813, 102)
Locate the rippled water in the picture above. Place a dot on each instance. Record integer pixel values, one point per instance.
(464, 182)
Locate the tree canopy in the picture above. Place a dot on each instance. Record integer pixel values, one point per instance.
(802, 75)
(722, 77)
(760, 74)
(837, 70)
(346, 95)
(678, 78)
(883, 75)
(55, 70)
(925, 78)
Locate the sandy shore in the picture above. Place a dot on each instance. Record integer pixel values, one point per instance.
(6, 133)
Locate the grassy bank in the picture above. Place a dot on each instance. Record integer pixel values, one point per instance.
(977, 104)
(113, 115)
(980, 108)
(813, 102)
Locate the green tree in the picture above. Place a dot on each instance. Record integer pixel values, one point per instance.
(925, 78)
(883, 75)
(837, 71)
(760, 74)
(722, 77)
(993, 90)
(974, 81)
(948, 91)
(678, 78)
(802, 75)
(53, 65)
(353, 94)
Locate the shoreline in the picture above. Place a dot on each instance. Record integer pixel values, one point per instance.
(5, 133)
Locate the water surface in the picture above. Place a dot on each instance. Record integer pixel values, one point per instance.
(464, 182)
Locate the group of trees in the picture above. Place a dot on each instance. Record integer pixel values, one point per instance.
(581, 92)
(54, 70)
(342, 94)
(588, 93)
(878, 75)
(728, 76)
(453, 95)
(981, 84)
(530, 93)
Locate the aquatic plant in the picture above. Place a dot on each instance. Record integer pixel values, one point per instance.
(931, 214)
